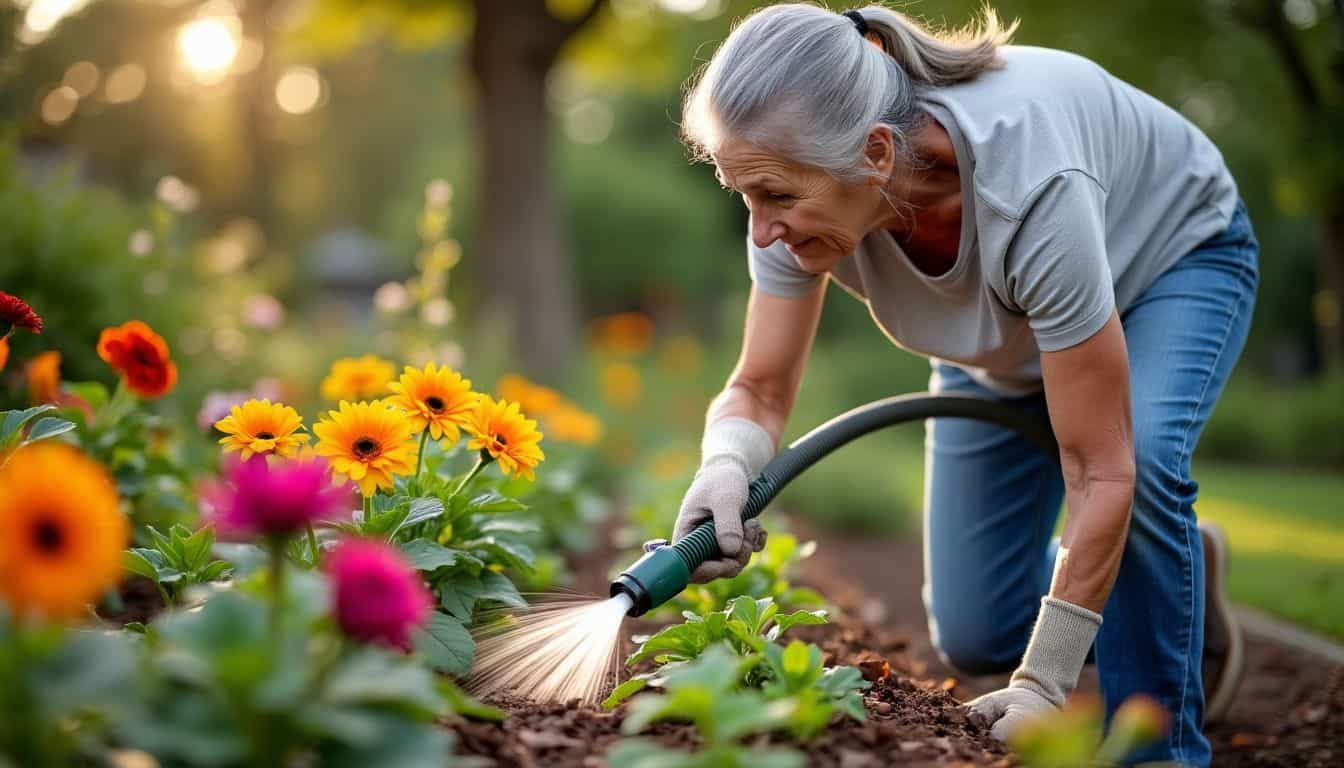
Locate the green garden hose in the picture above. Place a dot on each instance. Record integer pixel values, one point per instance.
(665, 569)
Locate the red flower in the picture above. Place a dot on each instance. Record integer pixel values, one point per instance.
(141, 357)
(16, 313)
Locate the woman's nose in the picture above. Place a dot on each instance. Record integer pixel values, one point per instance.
(765, 230)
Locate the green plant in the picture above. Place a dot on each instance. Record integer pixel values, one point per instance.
(14, 435)
(769, 574)
(1072, 737)
(177, 561)
(61, 691)
(749, 629)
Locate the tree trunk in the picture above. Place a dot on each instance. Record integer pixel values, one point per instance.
(1329, 300)
(522, 266)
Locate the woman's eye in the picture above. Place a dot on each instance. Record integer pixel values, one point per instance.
(780, 197)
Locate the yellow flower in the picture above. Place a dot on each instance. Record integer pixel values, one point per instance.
(368, 443)
(437, 399)
(258, 426)
(501, 430)
(358, 378)
(61, 531)
(532, 398)
(44, 378)
(571, 425)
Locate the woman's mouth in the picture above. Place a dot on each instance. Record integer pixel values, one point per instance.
(794, 249)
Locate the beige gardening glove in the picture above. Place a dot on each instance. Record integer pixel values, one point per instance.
(1049, 671)
(733, 452)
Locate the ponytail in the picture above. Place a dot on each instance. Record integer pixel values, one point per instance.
(938, 58)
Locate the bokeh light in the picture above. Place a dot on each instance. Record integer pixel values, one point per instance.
(298, 90)
(125, 84)
(209, 46)
(59, 104)
(83, 76)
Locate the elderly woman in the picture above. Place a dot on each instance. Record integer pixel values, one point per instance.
(1047, 235)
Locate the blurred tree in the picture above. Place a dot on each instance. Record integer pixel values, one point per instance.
(1322, 137)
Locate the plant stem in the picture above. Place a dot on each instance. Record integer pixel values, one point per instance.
(368, 508)
(480, 464)
(312, 544)
(420, 457)
(277, 588)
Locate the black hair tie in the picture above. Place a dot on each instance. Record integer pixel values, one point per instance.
(860, 23)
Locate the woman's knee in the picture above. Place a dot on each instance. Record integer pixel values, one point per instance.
(976, 641)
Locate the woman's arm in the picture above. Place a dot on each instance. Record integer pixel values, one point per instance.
(1087, 392)
(775, 346)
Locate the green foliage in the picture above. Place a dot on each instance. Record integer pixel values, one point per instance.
(18, 428)
(769, 574)
(139, 447)
(726, 673)
(177, 561)
(1072, 737)
(236, 683)
(1258, 422)
(66, 252)
(60, 692)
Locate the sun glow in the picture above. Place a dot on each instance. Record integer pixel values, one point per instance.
(209, 46)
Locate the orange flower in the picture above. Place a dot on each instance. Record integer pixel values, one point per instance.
(61, 531)
(500, 430)
(532, 398)
(622, 385)
(358, 378)
(140, 357)
(4, 353)
(627, 333)
(44, 378)
(436, 398)
(571, 425)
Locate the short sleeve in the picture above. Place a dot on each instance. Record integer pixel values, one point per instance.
(1056, 268)
(776, 272)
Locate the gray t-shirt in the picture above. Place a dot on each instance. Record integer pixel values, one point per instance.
(1083, 191)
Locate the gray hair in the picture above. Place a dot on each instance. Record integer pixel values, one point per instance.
(799, 81)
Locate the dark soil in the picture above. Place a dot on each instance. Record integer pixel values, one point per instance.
(137, 600)
(910, 721)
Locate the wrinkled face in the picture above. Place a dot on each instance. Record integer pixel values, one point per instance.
(820, 219)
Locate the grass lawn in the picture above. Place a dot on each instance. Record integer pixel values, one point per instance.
(1286, 529)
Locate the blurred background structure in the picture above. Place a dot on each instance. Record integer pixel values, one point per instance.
(498, 184)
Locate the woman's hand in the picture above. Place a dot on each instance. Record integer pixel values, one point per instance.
(1009, 709)
(718, 493)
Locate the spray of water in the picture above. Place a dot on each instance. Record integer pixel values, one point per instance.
(559, 650)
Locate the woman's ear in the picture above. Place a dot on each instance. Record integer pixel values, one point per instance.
(880, 153)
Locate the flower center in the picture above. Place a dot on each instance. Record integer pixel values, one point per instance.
(366, 447)
(48, 537)
(435, 403)
(265, 436)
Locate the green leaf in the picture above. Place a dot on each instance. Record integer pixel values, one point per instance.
(14, 421)
(498, 587)
(196, 548)
(683, 641)
(215, 571)
(374, 676)
(467, 706)
(494, 502)
(136, 563)
(46, 427)
(624, 691)
(794, 662)
(91, 392)
(426, 555)
(508, 525)
(446, 644)
(420, 510)
(458, 594)
(838, 682)
(797, 618)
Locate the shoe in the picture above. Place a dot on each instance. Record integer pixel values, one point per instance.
(1224, 651)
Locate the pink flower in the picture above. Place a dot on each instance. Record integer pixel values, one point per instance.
(379, 597)
(280, 498)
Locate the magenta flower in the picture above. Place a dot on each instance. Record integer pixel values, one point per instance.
(379, 597)
(275, 498)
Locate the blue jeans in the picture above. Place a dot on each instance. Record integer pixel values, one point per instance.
(991, 502)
